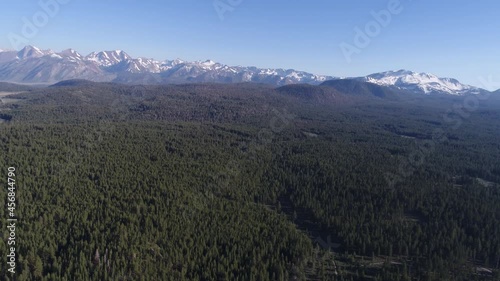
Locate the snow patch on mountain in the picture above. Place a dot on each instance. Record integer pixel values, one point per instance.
(420, 82)
(71, 55)
(30, 52)
(108, 58)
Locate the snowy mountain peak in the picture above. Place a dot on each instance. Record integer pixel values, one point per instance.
(208, 62)
(30, 52)
(178, 61)
(425, 83)
(108, 58)
(71, 54)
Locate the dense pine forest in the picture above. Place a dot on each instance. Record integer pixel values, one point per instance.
(247, 182)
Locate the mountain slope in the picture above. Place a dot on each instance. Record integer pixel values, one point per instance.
(423, 83)
(360, 88)
(312, 93)
(11, 87)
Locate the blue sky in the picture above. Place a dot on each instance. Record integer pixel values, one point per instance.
(448, 38)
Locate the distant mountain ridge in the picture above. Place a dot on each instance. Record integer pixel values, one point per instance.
(33, 65)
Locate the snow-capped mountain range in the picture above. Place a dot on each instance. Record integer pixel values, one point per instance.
(33, 65)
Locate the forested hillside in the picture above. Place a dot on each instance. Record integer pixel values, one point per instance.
(247, 182)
